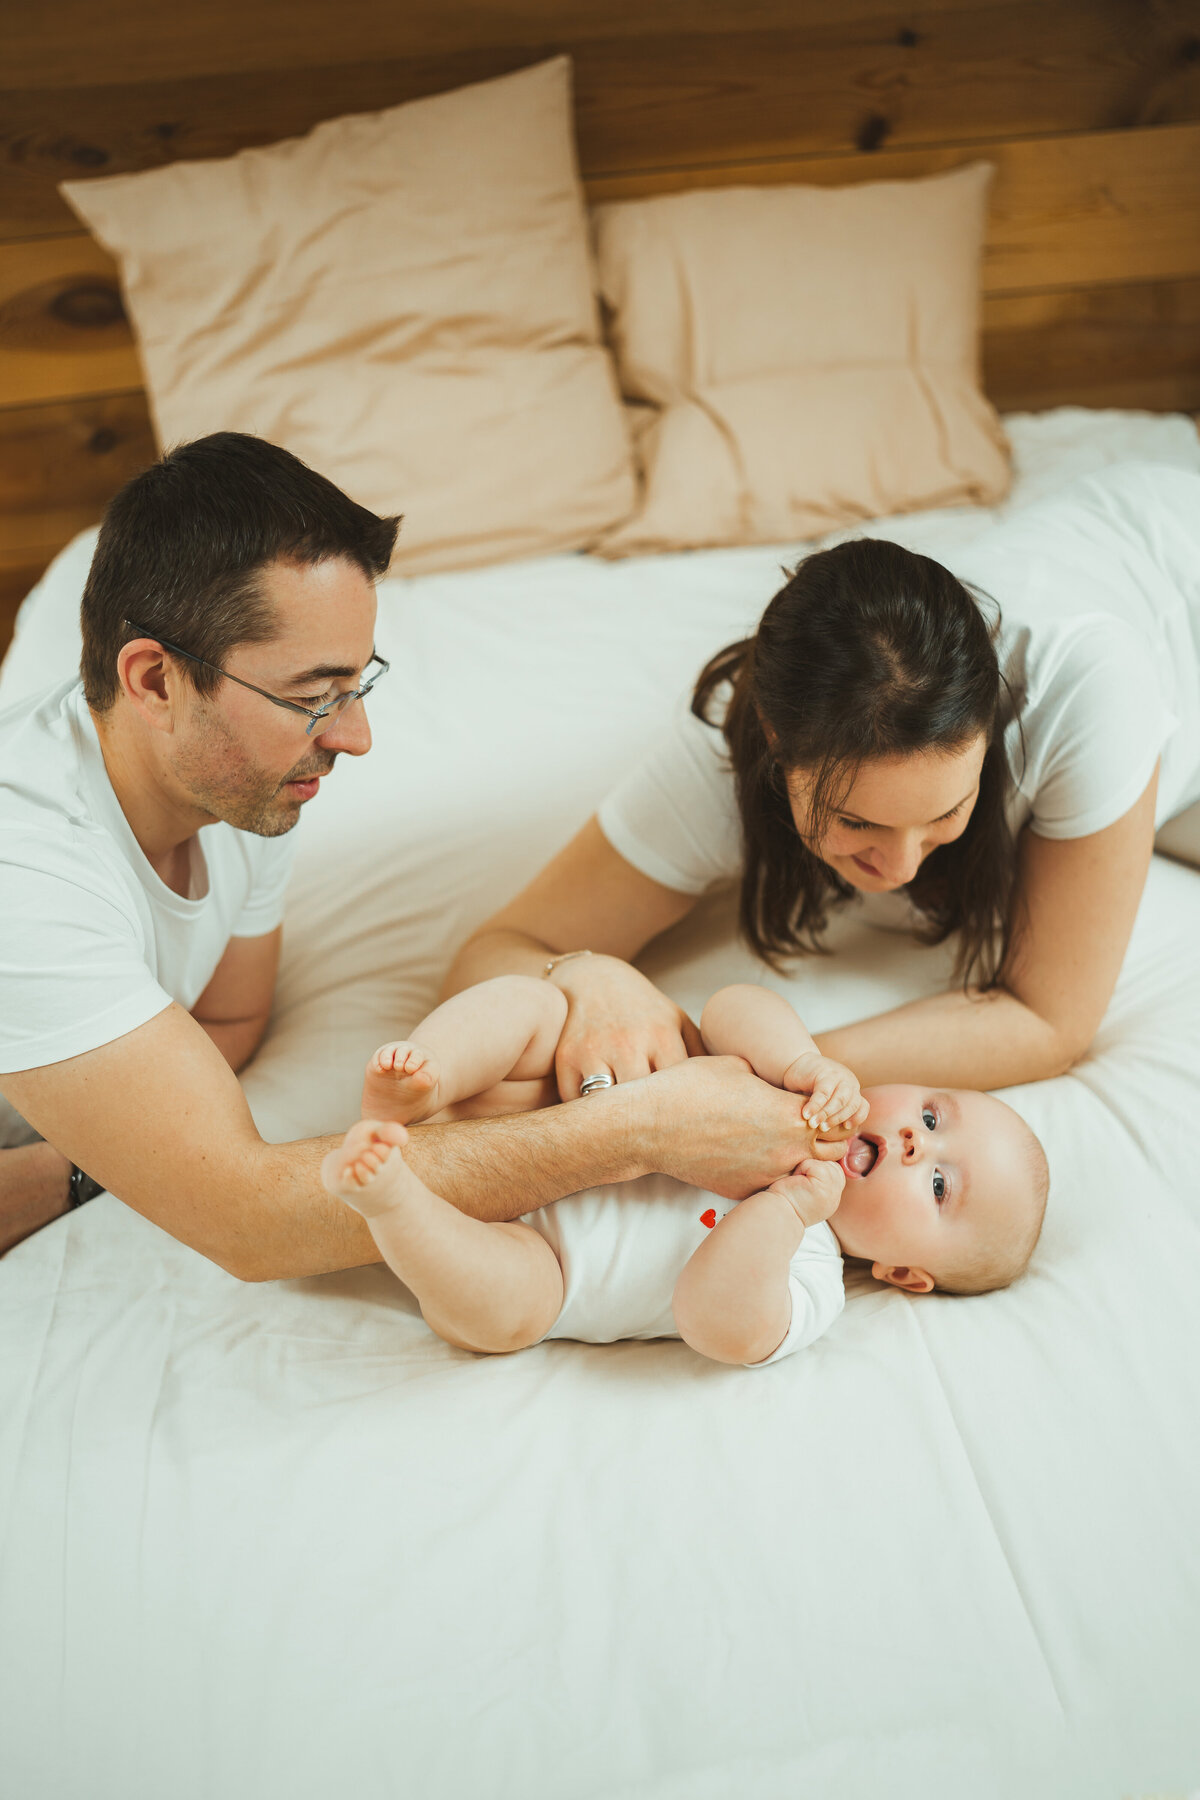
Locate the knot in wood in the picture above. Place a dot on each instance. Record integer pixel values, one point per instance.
(88, 304)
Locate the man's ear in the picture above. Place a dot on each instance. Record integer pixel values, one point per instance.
(913, 1281)
(149, 681)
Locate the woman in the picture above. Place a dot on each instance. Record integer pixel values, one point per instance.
(990, 767)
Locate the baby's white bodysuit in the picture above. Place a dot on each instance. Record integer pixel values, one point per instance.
(622, 1248)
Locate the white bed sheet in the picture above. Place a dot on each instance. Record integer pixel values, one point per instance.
(280, 1541)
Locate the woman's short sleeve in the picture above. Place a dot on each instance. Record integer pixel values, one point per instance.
(1094, 733)
(675, 816)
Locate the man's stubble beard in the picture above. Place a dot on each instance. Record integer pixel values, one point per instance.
(220, 780)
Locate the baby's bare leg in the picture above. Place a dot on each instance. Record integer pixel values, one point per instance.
(489, 1287)
(502, 1030)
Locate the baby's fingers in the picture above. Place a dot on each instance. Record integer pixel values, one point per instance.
(817, 1108)
(841, 1109)
(826, 1178)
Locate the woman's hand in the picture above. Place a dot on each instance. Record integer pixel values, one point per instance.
(618, 1023)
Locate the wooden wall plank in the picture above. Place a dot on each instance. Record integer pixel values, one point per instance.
(77, 43)
(63, 330)
(14, 585)
(61, 464)
(1135, 346)
(1001, 69)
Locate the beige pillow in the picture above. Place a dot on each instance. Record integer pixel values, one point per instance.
(811, 355)
(406, 300)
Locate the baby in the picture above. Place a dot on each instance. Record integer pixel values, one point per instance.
(946, 1189)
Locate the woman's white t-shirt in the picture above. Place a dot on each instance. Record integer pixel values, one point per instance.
(94, 944)
(1099, 593)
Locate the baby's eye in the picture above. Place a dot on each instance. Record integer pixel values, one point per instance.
(929, 1118)
(939, 1186)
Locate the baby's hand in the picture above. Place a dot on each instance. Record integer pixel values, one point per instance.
(835, 1102)
(813, 1188)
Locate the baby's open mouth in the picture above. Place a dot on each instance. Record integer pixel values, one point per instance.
(863, 1154)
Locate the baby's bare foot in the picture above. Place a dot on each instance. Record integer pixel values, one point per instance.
(367, 1170)
(401, 1083)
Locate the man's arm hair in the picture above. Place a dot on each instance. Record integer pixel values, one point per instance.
(158, 1117)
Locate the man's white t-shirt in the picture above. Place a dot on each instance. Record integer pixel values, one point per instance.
(1099, 594)
(622, 1248)
(94, 944)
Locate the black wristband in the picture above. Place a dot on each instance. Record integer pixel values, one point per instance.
(81, 1187)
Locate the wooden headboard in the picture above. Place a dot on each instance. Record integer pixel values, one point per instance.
(1090, 110)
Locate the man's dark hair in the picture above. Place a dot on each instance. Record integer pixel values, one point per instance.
(182, 546)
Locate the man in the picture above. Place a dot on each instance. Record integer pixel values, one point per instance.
(228, 646)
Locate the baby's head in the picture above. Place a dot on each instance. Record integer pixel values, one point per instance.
(945, 1188)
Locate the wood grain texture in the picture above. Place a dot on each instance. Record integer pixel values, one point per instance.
(63, 330)
(1135, 346)
(60, 465)
(14, 585)
(657, 99)
(77, 43)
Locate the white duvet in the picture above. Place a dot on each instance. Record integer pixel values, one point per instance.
(281, 1541)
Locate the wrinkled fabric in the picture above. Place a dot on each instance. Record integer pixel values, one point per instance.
(812, 356)
(405, 300)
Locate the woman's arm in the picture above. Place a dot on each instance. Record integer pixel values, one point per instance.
(589, 898)
(1075, 903)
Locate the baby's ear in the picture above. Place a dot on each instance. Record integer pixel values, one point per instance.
(913, 1281)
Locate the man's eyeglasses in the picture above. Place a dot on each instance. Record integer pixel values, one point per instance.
(318, 720)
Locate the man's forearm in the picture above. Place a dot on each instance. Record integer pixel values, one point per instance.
(489, 1168)
(501, 1168)
(988, 1040)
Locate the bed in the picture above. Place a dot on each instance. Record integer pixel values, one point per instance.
(279, 1540)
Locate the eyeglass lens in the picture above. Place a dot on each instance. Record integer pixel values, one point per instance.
(336, 708)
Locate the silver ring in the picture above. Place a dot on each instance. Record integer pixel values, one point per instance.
(593, 1084)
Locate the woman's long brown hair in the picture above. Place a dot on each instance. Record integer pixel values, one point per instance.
(869, 651)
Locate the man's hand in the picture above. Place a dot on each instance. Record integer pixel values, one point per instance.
(712, 1122)
(814, 1189)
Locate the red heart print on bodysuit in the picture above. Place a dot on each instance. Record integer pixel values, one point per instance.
(709, 1218)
